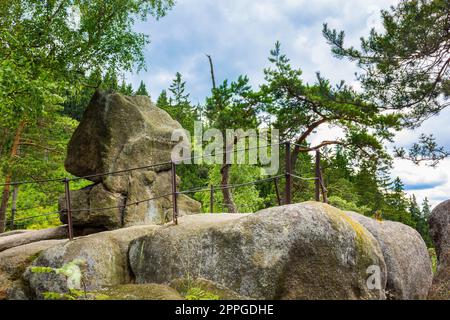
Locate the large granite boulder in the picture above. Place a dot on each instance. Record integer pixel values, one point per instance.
(301, 251)
(409, 270)
(118, 133)
(439, 222)
(102, 259)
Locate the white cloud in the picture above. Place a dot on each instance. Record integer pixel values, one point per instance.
(424, 181)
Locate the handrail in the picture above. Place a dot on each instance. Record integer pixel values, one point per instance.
(288, 174)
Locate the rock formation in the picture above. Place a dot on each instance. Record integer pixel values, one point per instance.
(105, 255)
(409, 270)
(300, 251)
(118, 133)
(440, 232)
(13, 263)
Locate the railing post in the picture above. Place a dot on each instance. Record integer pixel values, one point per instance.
(13, 214)
(68, 209)
(288, 188)
(323, 188)
(211, 199)
(174, 194)
(277, 191)
(317, 175)
(14, 206)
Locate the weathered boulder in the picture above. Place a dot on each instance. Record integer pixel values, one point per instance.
(103, 256)
(118, 133)
(300, 251)
(20, 239)
(440, 231)
(439, 222)
(14, 261)
(409, 270)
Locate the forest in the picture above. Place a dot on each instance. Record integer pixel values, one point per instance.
(56, 53)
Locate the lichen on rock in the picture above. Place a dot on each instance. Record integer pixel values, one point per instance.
(409, 272)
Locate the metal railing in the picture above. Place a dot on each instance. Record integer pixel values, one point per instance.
(288, 175)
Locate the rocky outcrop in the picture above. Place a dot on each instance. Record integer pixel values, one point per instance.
(301, 251)
(440, 232)
(14, 261)
(409, 271)
(118, 133)
(19, 239)
(102, 257)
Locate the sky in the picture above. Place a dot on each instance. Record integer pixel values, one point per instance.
(239, 35)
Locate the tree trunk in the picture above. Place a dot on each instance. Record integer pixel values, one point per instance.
(225, 171)
(3, 139)
(7, 187)
(211, 66)
(227, 195)
(13, 206)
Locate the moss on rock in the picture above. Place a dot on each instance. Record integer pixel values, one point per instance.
(150, 291)
(184, 285)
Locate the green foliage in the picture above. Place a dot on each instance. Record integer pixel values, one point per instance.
(433, 257)
(405, 68)
(247, 198)
(232, 105)
(178, 105)
(72, 272)
(347, 205)
(42, 270)
(407, 63)
(298, 109)
(425, 150)
(142, 90)
(200, 294)
(49, 51)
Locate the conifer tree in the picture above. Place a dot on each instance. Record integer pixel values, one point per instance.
(142, 90)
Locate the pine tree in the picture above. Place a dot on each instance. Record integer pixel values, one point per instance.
(125, 88)
(396, 207)
(178, 104)
(426, 210)
(299, 109)
(163, 101)
(414, 211)
(424, 228)
(178, 90)
(142, 90)
(110, 81)
(405, 68)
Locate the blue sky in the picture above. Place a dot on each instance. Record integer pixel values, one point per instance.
(239, 34)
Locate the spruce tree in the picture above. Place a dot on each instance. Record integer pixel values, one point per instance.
(142, 90)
